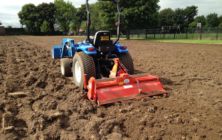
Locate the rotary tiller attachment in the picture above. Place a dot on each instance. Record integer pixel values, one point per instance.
(124, 87)
(121, 86)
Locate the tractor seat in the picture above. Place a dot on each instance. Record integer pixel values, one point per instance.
(102, 41)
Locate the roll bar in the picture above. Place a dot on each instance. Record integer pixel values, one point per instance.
(88, 21)
(117, 23)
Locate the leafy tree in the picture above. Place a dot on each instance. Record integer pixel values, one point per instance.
(220, 25)
(140, 14)
(45, 27)
(183, 17)
(65, 14)
(46, 13)
(190, 12)
(193, 24)
(220, 19)
(28, 17)
(213, 20)
(179, 17)
(33, 16)
(201, 19)
(166, 17)
(74, 26)
(136, 14)
(0, 23)
(95, 18)
(81, 16)
(102, 16)
(83, 26)
(198, 19)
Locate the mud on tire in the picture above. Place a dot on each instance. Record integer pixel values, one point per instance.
(82, 64)
(127, 61)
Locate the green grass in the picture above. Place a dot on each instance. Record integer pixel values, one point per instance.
(191, 41)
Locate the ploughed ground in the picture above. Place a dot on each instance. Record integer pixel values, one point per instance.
(36, 102)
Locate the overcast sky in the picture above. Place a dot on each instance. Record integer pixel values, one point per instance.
(10, 8)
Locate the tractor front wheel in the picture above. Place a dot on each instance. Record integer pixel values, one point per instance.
(127, 61)
(82, 64)
(66, 67)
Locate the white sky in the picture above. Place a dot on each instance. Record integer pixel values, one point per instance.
(10, 8)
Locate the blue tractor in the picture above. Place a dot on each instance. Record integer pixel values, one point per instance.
(104, 68)
(93, 57)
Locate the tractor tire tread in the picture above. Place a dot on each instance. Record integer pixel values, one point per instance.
(127, 61)
(87, 64)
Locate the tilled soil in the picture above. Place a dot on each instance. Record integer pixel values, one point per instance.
(36, 102)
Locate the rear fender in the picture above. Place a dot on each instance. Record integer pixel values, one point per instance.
(87, 48)
(120, 48)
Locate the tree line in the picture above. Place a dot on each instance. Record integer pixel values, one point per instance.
(188, 18)
(135, 14)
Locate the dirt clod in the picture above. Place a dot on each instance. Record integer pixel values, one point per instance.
(152, 109)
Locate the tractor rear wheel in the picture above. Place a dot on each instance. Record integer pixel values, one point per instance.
(82, 64)
(127, 61)
(66, 67)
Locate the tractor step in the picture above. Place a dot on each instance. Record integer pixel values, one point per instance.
(124, 87)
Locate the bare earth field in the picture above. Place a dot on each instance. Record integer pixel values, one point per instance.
(51, 107)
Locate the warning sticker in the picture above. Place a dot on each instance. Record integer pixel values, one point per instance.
(128, 86)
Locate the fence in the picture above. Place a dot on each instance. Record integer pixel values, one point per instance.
(190, 33)
(158, 33)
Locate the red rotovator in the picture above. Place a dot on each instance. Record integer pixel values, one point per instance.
(121, 86)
